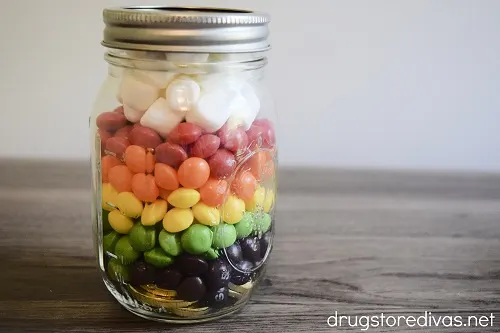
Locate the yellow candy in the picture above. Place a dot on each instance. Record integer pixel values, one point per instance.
(233, 210)
(206, 215)
(154, 212)
(109, 195)
(257, 202)
(178, 219)
(119, 222)
(184, 198)
(269, 200)
(129, 205)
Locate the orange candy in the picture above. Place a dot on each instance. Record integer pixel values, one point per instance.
(244, 185)
(164, 193)
(135, 159)
(144, 187)
(120, 177)
(150, 162)
(213, 192)
(193, 172)
(107, 162)
(166, 177)
(261, 165)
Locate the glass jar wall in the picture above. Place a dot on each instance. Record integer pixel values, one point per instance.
(184, 159)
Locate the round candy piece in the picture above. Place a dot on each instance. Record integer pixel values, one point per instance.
(178, 219)
(257, 202)
(166, 177)
(170, 243)
(144, 187)
(234, 253)
(110, 121)
(216, 298)
(154, 212)
(150, 162)
(205, 214)
(191, 289)
(265, 241)
(244, 185)
(261, 133)
(251, 249)
(197, 239)
(144, 137)
(125, 252)
(105, 221)
(261, 165)
(142, 273)
(219, 274)
(158, 258)
(142, 238)
(117, 272)
(109, 241)
(117, 146)
(171, 154)
(119, 222)
(168, 278)
(205, 146)
(184, 198)
(193, 172)
(224, 235)
(245, 226)
(233, 139)
(107, 162)
(213, 192)
(124, 131)
(192, 265)
(184, 134)
(262, 222)
(222, 164)
(109, 195)
(233, 210)
(135, 159)
(121, 178)
(269, 200)
(243, 275)
(129, 205)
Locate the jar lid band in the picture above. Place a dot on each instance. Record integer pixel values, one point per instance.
(186, 29)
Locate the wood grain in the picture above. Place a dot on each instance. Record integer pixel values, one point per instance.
(356, 242)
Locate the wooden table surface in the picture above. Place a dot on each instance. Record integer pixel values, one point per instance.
(356, 242)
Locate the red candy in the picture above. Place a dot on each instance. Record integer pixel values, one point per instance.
(117, 146)
(103, 136)
(184, 134)
(233, 139)
(222, 164)
(144, 137)
(261, 130)
(170, 154)
(124, 132)
(205, 146)
(111, 121)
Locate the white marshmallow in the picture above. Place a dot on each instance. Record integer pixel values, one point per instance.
(213, 109)
(244, 108)
(131, 114)
(182, 94)
(161, 118)
(136, 93)
(159, 79)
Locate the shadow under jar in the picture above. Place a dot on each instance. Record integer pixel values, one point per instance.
(183, 161)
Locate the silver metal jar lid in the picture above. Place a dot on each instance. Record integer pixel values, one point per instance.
(186, 29)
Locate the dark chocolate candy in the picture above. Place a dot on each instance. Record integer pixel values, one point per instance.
(192, 265)
(219, 274)
(191, 289)
(142, 273)
(168, 278)
(234, 254)
(216, 298)
(265, 241)
(240, 278)
(250, 247)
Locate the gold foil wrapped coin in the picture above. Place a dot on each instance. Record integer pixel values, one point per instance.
(234, 294)
(190, 312)
(158, 301)
(151, 288)
(243, 289)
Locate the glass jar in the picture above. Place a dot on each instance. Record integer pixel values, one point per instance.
(183, 160)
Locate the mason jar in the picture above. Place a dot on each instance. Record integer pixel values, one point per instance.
(183, 161)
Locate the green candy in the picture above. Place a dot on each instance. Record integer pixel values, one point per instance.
(245, 227)
(118, 272)
(142, 238)
(125, 252)
(170, 243)
(211, 254)
(158, 258)
(105, 222)
(197, 239)
(262, 222)
(109, 241)
(224, 235)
